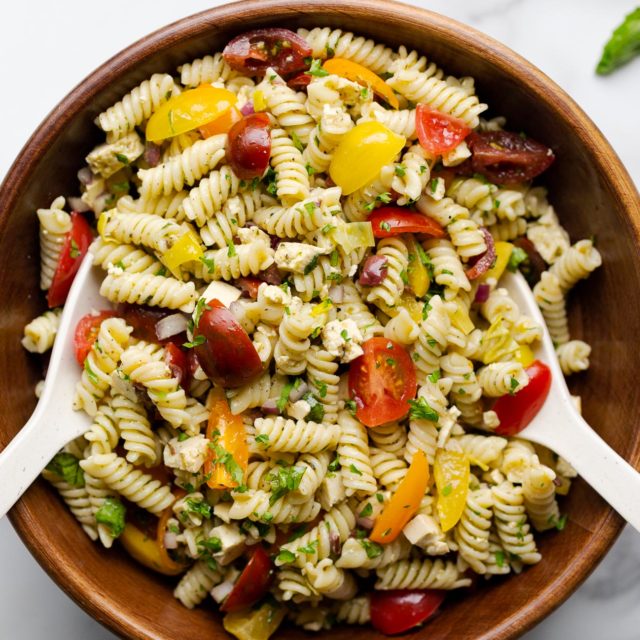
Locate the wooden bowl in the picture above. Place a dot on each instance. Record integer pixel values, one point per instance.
(590, 189)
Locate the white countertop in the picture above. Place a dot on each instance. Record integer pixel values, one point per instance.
(46, 48)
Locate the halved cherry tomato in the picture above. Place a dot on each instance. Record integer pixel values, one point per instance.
(226, 431)
(357, 73)
(482, 263)
(439, 132)
(227, 354)
(517, 411)
(255, 624)
(221, 124)
(392, 221)
(86, 333)
(362, 152)
(399, 610)
(506, 157)
(404, 502)
(255, 51)
(249, 146)
(252, 584)
(451, 473)
(75, 246)
(249, 286)
(299, 82)
(176, 359)
(189, 110)
(143, 319)
(382, 381)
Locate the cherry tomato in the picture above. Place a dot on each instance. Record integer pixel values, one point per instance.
(362, 152)
(404, 502)
(221, 124)
(86, 333)
(451, 473)
(517, 411)
(143, 320)
(506, 157)
(249, 146)
(255, 51)
(188, 111)
(255, 624)
(249, 286)
(227, 354)
(392, 221)
(299, 82)
(485, 261)
(253, 583)
(176, 359)
(76, 244)
(357, 73)
(382, 381)
(399, 610)
(439, 132)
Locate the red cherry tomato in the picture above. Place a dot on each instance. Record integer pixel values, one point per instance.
(255, 51)
(392, 221)
(249, 286)
(76, 244)
(227, 354)
(299, 82)
(517, 411)
(249, 146)
(506, 157)
(382, 381)
(437, 131)
(252, 584)
(87, 332)
(176, 359)
(399, 610)
(143, 320)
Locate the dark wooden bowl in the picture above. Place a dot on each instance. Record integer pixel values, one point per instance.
(592, 193)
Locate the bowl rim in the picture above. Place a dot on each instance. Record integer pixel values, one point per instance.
(197, 24)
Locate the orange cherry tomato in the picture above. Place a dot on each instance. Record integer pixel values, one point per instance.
(86, 333)
(221, 124)
(253, 583)
(404, 502)
(451, 473)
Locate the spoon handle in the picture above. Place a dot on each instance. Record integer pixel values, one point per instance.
(601, 467)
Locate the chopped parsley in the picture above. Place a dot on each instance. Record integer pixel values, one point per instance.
(297, 143)
(334, 465)
(310, 207)
(311, 265)
(446, 490)
(197, 341)
(201, 508)
(207, 262)
(285, 556)
(316, 69)
(67, 467)
(281, 402)
(263, 439)
(400, 170)
(367, 510)
(111, 513)
(354, 469)
(316, 413)
(421, 410)
(499, 555)
(351, 406)
(120, 157)
(231, 253)
(434, 376)
(517, 257)
(514, 384)
(385, 226)
(74, 249)
(373, 549)
(309, 549)
(283, 480)
(224, 458)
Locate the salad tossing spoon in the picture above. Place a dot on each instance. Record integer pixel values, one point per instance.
(560, 427)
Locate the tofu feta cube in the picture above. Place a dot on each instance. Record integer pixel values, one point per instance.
(296, 256)
(188, 455)
(342, 339)
(107, 159)
(424, 532)
(231, 540)
(298, 410)
(456, 156)
(436, 188)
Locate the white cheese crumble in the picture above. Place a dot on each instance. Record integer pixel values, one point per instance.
(342, 339)
(299, 410)
(296, 256)
(424, 532)
(107, 159)
(231, 540)
(437, 188)
(274, 294)
(188, 455)
(456, 156)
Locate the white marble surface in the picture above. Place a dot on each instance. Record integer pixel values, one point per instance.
(47, 47)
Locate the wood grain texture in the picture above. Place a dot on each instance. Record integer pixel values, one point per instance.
(590, 189)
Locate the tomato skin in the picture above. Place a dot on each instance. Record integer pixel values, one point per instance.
(517, 411)
(299, 82)
(437, 131)
(399, 610)
(252, 584)
(86, 333)
(249, 286)
(392, 221)
(253, 52)
(227, 355)
(382, 381)
(76, 245)
(143, 320)
(176, 359)
(249, 146)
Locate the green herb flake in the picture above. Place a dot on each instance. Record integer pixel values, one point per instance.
(224, 458)
(513, 385)
(285, 557)
(283, 480)
(517, 257)
(373, 549)
(446, 490)
(334, 465)
(354, 469)
(263, 439)
(209, 263)
(201, 508)
(309, 549)
(120, 157)
(421, 410)
(400, 171)
(316, 69)
(379, 498)
(231, 253)
(297, 143)
(112, 514)
(351, 406)
(74, 249)
(281, 402)
(197, 341)
(367, 510)
(91, 374)
(434, 376)
(316, 412)
(433, 185)
(499, 556)
(311, 265)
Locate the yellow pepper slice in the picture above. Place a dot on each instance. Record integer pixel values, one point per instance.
(524, 355)
(357, 73)
(503, 253)
(404, 502)
(417, 273)
(189, 110)
(259, 103)
(362, 152)
(409, 302)
(185, 249)
(258, 624)
(451, 472)
(229, 458)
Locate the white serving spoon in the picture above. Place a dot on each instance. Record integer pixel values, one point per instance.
(54, 422)
(560, 427)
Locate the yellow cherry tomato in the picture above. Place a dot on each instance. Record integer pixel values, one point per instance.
(417, 273)
(362, 152)
(524, 355)
(221, 124)
(258, 624)
(451, 472)
(259, 103)
(404, 502)
(357, 73)
(503, 253)
(187, 248)
(188, 111)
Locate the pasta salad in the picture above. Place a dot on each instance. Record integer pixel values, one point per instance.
(306, 392)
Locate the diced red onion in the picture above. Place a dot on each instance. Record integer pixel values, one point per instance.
(170, 540)
(270, 407)
(221, 591)
(336, 293)
(374, 271)
(247, 108)
(78, 204)
(484, 262)
(275, 241)
(482, 293)
(85, 176)
(296, 394)
(171, 325)
(152, 154)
